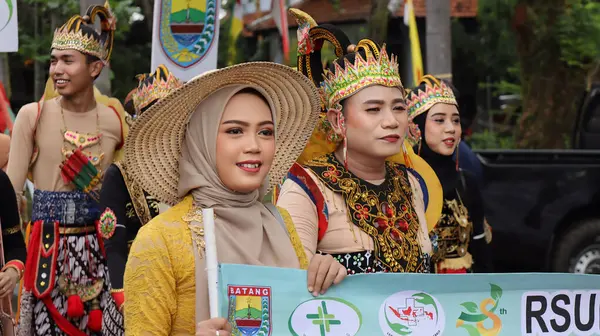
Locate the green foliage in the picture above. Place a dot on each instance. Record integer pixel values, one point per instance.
(572, 29)
(491, 49)
(556, 36)
(123, 9)
(37, 47)
(487, 139)
(578, 33)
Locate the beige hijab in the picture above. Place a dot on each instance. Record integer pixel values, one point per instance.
(246, 232)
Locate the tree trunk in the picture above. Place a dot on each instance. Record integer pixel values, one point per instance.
(103, 81)
(550, 89)
(378, 22)
(438, 39)
(147, 7)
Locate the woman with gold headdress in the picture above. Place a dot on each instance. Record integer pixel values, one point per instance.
(357, 192)
(128, 206)
(461, 235)
(65, 143)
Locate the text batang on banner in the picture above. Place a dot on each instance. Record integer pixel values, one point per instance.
(185, 36)
(9, 29)
(265, 301)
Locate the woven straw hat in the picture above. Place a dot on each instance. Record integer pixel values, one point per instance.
(153, 147)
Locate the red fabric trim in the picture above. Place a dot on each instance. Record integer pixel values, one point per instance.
(120, 123)
(317, 196)
(60, 320)
(33, 252)
(18, 264)
(119, 298)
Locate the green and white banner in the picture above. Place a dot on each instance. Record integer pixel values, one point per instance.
(273, 301)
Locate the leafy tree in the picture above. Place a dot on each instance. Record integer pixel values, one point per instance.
(558, 43)
(545, 51)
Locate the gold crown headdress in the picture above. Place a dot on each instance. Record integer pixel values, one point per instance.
(78, 33)
(154, 87)
(430, 91)
(376, 69)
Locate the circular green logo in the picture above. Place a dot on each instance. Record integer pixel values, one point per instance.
(325, 317)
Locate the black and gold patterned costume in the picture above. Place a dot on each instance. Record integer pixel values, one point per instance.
(128, 206)
(383, 211)
(12, 237)
(461, 231)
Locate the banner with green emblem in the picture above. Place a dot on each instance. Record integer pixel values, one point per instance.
(261, 301)
(185, 36)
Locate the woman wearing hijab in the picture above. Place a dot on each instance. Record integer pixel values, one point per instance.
(357, 193)
(461, 234)
(211, 144)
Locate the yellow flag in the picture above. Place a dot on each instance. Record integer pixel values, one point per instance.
(237, 25)
(415, 44)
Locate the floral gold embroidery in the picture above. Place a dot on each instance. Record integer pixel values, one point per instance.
(453, 231)
(194, 218)
(384, 211)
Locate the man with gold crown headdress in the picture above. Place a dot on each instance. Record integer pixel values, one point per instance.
(65, 142)
(128, 206)
(358, 192)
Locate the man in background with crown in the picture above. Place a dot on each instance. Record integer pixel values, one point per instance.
(65, 143)
(128, 206)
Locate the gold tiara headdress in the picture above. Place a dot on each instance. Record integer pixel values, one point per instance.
(72, 36)
(154, 87)
(376, 69)
(430, 92)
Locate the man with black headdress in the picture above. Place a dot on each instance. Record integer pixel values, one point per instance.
(65, 143)
(128, 206)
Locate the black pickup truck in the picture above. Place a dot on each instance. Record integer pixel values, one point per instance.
(544, 205)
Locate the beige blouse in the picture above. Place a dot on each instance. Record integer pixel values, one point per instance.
(342, 235)
(49, 138)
